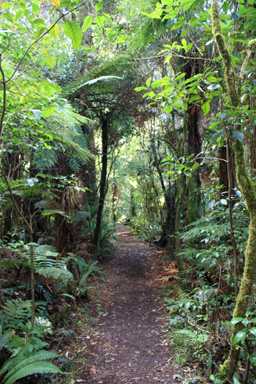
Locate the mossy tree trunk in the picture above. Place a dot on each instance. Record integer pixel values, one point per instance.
(234, 89)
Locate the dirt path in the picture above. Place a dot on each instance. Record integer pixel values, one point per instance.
(129, 345)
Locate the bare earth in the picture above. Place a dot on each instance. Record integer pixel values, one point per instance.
(129, 345)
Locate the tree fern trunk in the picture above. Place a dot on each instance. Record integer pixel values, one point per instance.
(102, 179)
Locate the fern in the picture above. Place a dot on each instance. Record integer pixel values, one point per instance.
(92, 268)
(56, 273)
(203, 227)
(17, 309)
(47, 264)
(23, 365)
(192, 336)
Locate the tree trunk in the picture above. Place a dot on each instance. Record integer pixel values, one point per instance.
(133, 204)
(195, 128)
(182, 194)
(168, 228)
(247, 188)
(103, 178)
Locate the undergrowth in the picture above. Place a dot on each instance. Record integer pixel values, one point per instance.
(201, 315)
(60, 282)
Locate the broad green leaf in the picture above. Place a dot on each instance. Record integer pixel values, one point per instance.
(240, 337)
(138, 89)
(206, 107)
(224, 202)
(73, 31)
(18, 15)
(148, 81)
(87, 23)
(99, 20)
(50, 60)
(9, 16)
(184, 43)
(98, 6)
(238, 135)
(38, 22)
(253, 331)
(178, 24)
(237, 320)
(194, 166)
(180, 76)
(5, 5)
(55, 31)
(35, 8)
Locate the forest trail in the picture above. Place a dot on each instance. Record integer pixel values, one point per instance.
(129, 346)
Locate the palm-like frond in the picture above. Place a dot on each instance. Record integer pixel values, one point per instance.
(204, 226)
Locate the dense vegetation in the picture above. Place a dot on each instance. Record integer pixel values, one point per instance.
(144, 113)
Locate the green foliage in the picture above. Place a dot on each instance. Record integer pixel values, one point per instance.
(245, 339)
(107, 235)
(27, 363)
(85, 270)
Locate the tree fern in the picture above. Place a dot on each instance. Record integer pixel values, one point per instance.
(200, 228)
(23, 365)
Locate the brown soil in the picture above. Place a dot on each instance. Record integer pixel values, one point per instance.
(129, 345)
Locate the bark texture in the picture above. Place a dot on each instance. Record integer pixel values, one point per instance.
(104, 126)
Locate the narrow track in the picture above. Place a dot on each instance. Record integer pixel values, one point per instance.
(129, 345)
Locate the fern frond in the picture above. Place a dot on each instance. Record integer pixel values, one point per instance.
(82, 153)
(56, 273)
(23, 365)
(21, 360)
(39, 367)
(17, 309)
(203, 226)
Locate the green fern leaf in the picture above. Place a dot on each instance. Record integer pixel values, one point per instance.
(56, 273)
(22, 360)
(17, 309)
(30, 369)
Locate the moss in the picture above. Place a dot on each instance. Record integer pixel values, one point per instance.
(244, 54)
(234, 88)
(230, 76)
(252, 45)
(215, 18)
(222, 374)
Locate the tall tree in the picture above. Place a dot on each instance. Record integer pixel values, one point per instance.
(234, 86)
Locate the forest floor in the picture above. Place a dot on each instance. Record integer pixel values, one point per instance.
(127, 340)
